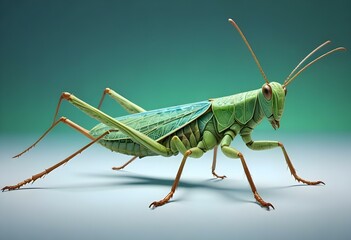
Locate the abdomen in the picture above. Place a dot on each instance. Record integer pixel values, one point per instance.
(190, 135)
(127, 146)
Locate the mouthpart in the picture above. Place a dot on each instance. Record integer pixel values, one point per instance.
(275, 124)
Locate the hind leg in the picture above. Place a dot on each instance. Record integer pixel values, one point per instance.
(125, 103)
(113, 123)
(126, 164)
(64, 120)
(48, 170)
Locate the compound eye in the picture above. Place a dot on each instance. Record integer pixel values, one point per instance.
(285, 90)
(267, 91)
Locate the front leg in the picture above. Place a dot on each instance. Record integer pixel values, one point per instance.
(233, 153)
(263, 145)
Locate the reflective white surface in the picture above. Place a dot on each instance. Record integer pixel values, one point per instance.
(87, 200)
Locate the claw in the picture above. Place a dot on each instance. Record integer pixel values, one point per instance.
(267, 205)
(161, 202)
(9, 188)
(152, 205)
(217, 176)
(318, 182)
(299, 179)
(117, 168)
(262, 202)
(156, 204)
(222, 177)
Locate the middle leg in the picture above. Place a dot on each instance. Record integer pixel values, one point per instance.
(214, 161)
(195, 152)
(233, 153)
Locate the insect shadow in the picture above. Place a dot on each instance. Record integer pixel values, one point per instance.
(228, 188)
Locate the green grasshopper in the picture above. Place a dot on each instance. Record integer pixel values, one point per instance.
(191, 129)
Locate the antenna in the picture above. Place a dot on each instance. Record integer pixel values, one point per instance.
(250, 49)
(303, 60)
(288, 81)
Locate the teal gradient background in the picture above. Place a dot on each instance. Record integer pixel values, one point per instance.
(159, 54)
(164, 53)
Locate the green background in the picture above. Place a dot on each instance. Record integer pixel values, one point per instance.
(159, 54)
(164, 53)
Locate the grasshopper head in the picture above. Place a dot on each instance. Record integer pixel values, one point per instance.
(272, 96)
(272, 99)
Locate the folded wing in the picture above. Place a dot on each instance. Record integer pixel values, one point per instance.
(157, 124)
